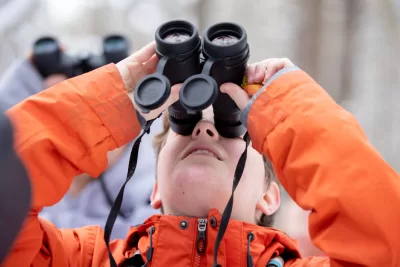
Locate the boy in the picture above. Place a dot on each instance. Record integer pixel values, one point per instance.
(317, 149)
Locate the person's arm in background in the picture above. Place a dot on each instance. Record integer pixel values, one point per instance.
(325, 162)
(67, 130)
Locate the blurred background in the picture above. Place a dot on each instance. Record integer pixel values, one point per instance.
(351, 47)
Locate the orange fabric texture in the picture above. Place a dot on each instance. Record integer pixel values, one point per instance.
(321, 155)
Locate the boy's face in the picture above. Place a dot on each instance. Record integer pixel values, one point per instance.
(195, 174)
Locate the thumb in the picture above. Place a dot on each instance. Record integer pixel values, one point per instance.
(238, 95)
(173, 97)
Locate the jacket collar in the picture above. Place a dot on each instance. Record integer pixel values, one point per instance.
(188, 241)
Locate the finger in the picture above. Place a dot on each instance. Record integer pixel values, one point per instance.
(250, 73)
(151, 65)
(276, 66)
(145, 53)
(261, 67)
(272, 68)
(260, 72)
(238, 95)
(174, 96)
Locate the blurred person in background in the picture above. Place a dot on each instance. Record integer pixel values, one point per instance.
(317, 149)
(89, 200)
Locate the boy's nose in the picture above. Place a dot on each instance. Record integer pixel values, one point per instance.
(205, 129)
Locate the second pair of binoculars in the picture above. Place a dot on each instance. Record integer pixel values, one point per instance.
(49, 58)
(202, 65)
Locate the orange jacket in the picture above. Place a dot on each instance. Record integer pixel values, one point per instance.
(319, 152)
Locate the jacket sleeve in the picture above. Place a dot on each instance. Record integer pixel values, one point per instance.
(61, 132)
(325, 162)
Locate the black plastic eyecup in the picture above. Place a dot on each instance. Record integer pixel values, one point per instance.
(170, 49)
(212, 50)
(115, 48)
(179, 60)
(47, 56)
(226, 62)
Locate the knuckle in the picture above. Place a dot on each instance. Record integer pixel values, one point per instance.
(287, 61)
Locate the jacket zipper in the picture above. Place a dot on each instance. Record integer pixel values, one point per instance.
(201, 242)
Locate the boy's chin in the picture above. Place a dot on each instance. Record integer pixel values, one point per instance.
(201, 175)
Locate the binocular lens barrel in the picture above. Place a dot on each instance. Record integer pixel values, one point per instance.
(49, 58)
(115, 48)
(176, 38)
(225, 52)
(46, 45)
(178, 47)
(224, 40)
(46, 55)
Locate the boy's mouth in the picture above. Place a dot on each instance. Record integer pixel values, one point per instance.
(203, 150)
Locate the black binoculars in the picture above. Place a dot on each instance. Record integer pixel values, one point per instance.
(49, 58)
(202, 65)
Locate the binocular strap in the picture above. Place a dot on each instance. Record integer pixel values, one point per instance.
(112, 217)
(226, 215)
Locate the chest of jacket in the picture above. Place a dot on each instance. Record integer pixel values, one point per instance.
(182, 241)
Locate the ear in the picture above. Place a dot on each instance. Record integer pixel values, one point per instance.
(155, 197)
(270, 201)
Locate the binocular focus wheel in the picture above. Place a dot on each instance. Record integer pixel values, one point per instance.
(198, 92)
(152, 92)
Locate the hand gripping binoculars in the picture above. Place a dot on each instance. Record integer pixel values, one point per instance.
(49, 58)
(202, 65)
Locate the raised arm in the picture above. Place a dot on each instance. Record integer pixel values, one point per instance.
(61, 132)
(67, 130)
(325, 162)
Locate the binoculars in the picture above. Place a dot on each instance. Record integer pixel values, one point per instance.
(202, 65)
(49, 58)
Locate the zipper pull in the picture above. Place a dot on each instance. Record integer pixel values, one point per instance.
(201, 236)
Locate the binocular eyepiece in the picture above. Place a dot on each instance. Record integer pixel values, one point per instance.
(202, 66)
(49, 58)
